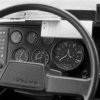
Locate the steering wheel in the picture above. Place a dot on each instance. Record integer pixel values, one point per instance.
(60, 84)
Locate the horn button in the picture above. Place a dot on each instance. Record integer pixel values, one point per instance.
(24, 75)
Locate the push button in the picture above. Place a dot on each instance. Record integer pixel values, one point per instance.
(1, 48)
(2, 40)
(1, 55)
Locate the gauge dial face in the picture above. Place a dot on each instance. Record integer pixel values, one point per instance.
(16, 37)
(68, 55)
(21, 55)
(32, 37)
(40, 56)
(48, 41)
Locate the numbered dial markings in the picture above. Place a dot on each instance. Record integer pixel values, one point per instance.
(40, 56)
(68, 55)
(21, 55)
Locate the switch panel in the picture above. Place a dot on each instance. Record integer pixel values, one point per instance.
(3, 45)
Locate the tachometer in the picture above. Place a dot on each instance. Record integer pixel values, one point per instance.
(40, 56)
(21, 54)
(68, 54)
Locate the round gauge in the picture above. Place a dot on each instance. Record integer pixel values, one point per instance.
(40, 56)
(32, 37)
(21, 55)
(16, 37)
(68, 55)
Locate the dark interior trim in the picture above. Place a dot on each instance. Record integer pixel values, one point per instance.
(84, 14)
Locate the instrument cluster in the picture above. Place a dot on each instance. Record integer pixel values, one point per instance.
(66, 55)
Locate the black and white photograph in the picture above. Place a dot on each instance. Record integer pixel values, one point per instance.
(49, 49)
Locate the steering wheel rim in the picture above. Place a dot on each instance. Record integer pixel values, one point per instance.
(94, 60)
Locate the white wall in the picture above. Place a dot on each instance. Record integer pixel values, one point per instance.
(68, 4)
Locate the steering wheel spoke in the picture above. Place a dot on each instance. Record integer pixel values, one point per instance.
(68, 85)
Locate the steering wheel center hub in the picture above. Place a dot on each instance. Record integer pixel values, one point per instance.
(26, 75)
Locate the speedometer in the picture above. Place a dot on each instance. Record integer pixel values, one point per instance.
(68, 54)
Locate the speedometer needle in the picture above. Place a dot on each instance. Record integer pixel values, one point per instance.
(63, 57)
